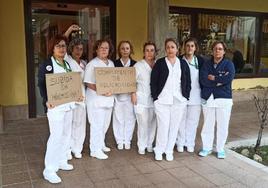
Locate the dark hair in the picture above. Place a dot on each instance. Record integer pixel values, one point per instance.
(130, 45)
(191, 39)
(54, 41)
(149, 43)
(171, 40)
(219, 42)
(73, 43)
(98, 44)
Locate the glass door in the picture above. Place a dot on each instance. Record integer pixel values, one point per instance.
(52, 18)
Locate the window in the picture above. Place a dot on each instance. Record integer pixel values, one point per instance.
(264, 47)
(239, 30)
(179, 26)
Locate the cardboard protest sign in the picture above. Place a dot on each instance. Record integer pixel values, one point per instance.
(63, 87)
(116, 80)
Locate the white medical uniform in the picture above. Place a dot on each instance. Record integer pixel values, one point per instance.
(123, 117)
(216, 110)
(144, 109)
(99, 107)
(169, 108)
(79, 114)
(60, 125)
(187, 132)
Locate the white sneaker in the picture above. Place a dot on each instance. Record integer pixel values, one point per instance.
(78, 155)
(169, 157)
(141, 151)
(158, 157)
(106, 149)
(180, 149)
(99, 155)
(190, 149)
(66, 166)
(150, 149)
(120, 146)
(52, 177)
(127, 146)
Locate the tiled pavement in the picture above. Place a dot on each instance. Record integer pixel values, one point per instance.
(22, 150)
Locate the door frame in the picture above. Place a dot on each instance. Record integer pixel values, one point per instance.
(30, 43)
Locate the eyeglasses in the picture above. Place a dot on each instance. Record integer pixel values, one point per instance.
(60, 46)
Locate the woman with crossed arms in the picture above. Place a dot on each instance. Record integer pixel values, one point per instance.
(216, 77)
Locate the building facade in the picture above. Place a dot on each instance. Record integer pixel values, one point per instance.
(27, 25)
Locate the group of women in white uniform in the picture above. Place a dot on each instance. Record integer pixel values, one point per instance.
(166, 105)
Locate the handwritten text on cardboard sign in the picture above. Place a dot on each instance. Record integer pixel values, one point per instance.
(116, 80)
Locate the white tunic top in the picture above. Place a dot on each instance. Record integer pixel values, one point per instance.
(125, 96)
(67, 106)
(195, 94)
(77, 68)
(92, 97)
(143, 78)
(172, 88)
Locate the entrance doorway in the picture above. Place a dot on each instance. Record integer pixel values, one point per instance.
(47, 19)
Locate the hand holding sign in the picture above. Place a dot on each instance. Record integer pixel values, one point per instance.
(63, 88)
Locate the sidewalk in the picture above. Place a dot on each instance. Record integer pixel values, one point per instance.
(22, 150)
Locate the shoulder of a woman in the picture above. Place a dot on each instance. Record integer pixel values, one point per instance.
(140, 63)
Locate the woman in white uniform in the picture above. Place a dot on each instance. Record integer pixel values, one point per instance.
(187, 132)
(142, 100)
(170, 88)
(74, 58)
(123, 114)
(75, 52)
(59, 117)
(99, 107)
(216, 76)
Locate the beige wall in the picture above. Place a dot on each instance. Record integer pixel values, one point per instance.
(13, 81)
(131, 23)
(244, 5)
(250, 83)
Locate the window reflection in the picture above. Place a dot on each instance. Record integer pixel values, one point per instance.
(264, 48)
(236, 31)
(179, 26)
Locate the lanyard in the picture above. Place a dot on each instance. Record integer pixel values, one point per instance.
(66, 68)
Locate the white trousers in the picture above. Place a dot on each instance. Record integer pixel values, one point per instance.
(211, 116)
(123, 121)
(187, 132)
(146, 127)
(169, 119)
(99, 119)
(78, 129)
(60, 125)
